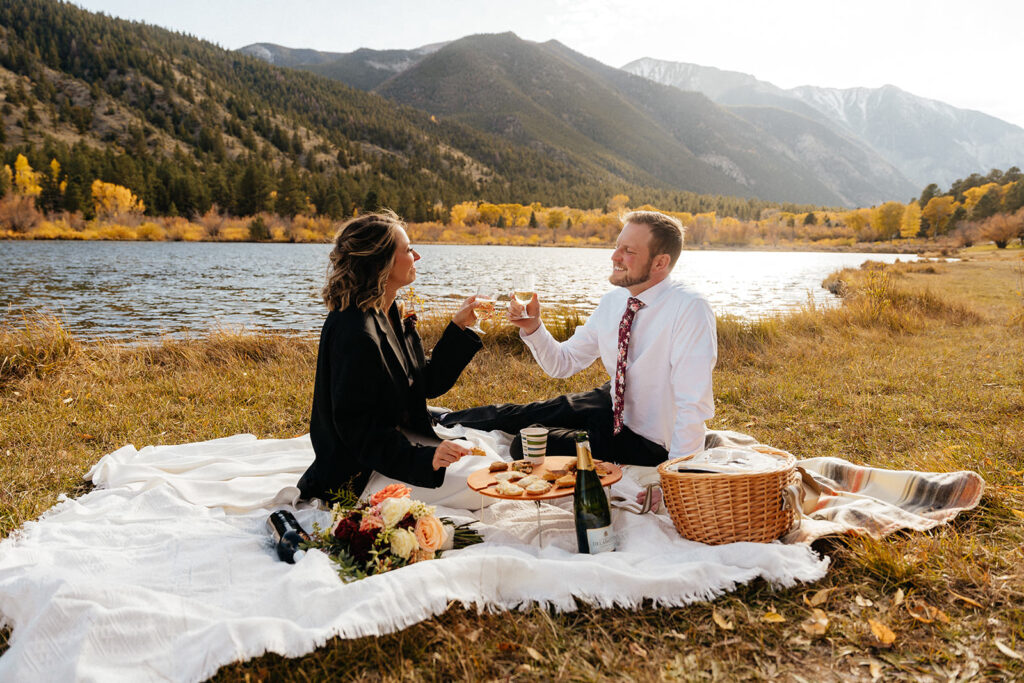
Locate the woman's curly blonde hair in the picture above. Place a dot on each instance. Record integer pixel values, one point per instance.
(364, 250)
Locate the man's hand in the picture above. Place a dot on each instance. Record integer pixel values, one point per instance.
(465, 316)
(531, 311)
(447, 453)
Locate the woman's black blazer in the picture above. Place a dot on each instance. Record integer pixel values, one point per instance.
(370, 381)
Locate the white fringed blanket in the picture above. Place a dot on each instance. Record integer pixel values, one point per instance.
(166, 571)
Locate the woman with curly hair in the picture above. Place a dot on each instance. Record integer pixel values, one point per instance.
(372, 378)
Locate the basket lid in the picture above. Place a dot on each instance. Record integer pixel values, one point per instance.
(733, 460)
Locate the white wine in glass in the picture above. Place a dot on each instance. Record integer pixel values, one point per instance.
(483, 308)
(523, 288)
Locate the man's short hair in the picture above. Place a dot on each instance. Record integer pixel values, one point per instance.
(666, 232)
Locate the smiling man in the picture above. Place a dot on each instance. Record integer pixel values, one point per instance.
(655, 338)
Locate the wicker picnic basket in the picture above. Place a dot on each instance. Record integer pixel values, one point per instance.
(717, 508)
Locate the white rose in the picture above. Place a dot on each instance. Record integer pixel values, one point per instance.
(394, 510)
(403, 542)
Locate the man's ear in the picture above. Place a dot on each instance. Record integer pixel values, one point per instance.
(662, 262)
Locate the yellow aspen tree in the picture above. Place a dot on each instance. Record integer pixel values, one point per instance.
(26, 181)
(911, 221)
(856, 220)
(974, 195)
(886, 220)
(618, 203)
(112, 200)
(555, 218)
(55, 174)
(459, 214)
(937, 212)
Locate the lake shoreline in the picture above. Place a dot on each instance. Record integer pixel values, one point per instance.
(909, 248)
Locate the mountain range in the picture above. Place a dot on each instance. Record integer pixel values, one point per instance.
(712, 131)
(926, 140)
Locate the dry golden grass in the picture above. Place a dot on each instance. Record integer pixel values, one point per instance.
(917, 369)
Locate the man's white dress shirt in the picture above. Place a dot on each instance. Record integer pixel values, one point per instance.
(672, 350)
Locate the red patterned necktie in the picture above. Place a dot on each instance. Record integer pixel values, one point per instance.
(625, 325)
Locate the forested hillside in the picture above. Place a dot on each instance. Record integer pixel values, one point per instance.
(187, 125)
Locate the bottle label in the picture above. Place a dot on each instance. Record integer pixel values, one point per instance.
(601, 540)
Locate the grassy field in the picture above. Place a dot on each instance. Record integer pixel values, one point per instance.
(921, 367)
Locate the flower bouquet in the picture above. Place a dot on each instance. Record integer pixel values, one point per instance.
(388, 531)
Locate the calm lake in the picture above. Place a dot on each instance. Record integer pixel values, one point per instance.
(146, 289)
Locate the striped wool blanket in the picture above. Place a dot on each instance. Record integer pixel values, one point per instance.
(840, 497)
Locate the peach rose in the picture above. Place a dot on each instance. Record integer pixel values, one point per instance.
(429, 533)
(390, 491)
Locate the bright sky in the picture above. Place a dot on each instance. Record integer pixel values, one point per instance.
(965, 54)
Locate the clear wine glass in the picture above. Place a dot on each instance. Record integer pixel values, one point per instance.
(486, 298)
(523, 287)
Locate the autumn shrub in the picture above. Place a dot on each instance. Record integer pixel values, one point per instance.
(234, 230)
(1001, 228)
(116, 231)
(151, 232)
(181, 230)
(50, 230)
(212, 222)
(18, 213)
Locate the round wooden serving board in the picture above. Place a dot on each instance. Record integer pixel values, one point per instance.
(484, 482)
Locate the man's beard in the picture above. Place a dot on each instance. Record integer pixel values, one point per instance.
(632, 281)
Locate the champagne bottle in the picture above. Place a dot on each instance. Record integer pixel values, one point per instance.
(594, 532)
(288, 534)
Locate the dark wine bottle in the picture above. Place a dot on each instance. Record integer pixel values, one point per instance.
(594, 532)
(288, 535)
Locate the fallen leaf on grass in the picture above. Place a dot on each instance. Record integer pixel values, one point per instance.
(863, 602)
(875, 667)
(1006, 650)
(1018, 513)
(67, 400)
(819, 597)
(533, 653)
(882, 632)
(676, 634)
(816, 624)
(506, 646)
(85, 437)
(773, 617)
(964, 598)
(722, 622)
(898, 598)
(473, 635)
(637, 650)
(925, 613)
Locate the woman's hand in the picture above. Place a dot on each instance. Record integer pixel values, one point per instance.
(526, 318)
(465, 316)
(447, 453)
